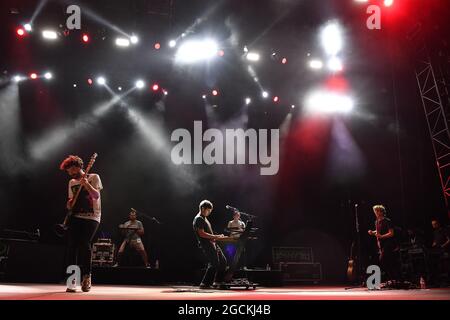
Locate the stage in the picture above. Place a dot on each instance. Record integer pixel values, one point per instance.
(110, 292)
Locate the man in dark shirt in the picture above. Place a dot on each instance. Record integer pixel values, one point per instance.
(441, 238)
(387, 246)
(206, 238)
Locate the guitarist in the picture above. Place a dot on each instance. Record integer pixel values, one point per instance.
(387, 246)
(215, 271)
(84, 219)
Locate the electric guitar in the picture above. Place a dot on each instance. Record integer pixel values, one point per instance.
(60, 229)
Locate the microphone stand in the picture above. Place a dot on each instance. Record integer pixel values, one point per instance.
(358, 259)
(147, 216)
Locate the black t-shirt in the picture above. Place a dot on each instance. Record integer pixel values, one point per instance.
(382, 226)
(201, 222)
(440, 236)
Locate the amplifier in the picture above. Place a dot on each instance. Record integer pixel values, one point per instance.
(301, 272)
(103, 253)
(292, 254)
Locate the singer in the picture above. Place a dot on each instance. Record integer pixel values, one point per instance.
(215, 271)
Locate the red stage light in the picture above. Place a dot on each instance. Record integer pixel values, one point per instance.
(85, 38)
(284, 61)
(157, 46)
(221, 53)
(155, 87)
(215, 92)
(20, 32)
(33, 76)
(90, 82)
(275, 99)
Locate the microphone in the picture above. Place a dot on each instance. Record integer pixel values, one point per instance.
(231, 208)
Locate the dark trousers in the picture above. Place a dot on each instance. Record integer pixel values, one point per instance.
(217, 264)
(79, 251)
(389, 263)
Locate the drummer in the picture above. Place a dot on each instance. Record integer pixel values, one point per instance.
(133, 229)
(236, 226)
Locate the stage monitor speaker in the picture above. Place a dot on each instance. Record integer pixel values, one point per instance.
(33, 262)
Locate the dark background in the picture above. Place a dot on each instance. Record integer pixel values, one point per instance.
(381, 153)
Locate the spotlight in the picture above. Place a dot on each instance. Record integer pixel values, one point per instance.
(85, 38)
(335, 64)
(253, 56)
(20, 32)
(276, 99)
(204, 96)
(157, 46)
(215, 92)
(196, 50)
(388, 3)
(328, 102)
(316, 64)
(332, 38)
(165, 92)
(74, 85)
(89, 81)
(284, 61)
(140, 84)
(172, 43)
(17, 78)
(155, 87)
(33, 76)
(265, 94)
(48, 75)
(248, 101)
(293, 106)
(122, 42)
(245, 49)
(134, 39)
(49, 35)
(101, 81)
(28, 27)
(119, 88)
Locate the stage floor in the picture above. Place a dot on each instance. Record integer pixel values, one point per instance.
(112, 292)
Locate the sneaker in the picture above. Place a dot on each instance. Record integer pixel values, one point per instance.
(205, 286)
(71, 290)
(86, 283)
(115, 265)
(148, 266)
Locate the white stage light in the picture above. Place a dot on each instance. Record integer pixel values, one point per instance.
(101, 81)
(323, 101)
(17, 78)
(48, 75)
(134, 39)
(265, 94)
(196, 50)
(248, 101)
(253, 56)
(122, 42)
(331, 37)
(172, 43)
(119, 88)
(335, 64)
(140, 84)
(49, 35)
(316, 64)
(28, 27)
